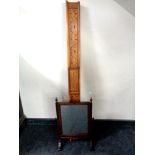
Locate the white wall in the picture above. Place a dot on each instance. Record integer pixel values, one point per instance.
(107, 57)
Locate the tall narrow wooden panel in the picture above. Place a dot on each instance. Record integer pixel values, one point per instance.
(73, 43)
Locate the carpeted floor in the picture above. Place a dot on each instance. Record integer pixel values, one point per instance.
(111, 140)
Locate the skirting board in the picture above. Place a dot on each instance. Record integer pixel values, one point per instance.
(100, 122)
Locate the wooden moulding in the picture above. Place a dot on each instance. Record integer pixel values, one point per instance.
(73, 48)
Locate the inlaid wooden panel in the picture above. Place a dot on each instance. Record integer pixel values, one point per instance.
(73, 41)
(74, 80)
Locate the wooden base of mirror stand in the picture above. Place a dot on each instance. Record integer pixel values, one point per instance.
(61, 141)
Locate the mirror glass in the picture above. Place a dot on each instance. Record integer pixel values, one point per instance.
(74, 119)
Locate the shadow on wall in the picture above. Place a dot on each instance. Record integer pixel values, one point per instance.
(90, 75)
(38, 92)
(128, 5)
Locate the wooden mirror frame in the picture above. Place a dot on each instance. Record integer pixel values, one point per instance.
(85, 136)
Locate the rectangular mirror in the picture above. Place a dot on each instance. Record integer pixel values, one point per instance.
(74, 119)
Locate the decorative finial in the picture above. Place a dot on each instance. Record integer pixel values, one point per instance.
(91, 99)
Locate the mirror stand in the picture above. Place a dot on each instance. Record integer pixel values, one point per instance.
(74, 122)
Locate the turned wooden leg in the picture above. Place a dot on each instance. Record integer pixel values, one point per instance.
(59, 145)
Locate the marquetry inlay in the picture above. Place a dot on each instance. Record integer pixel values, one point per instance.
(73, 40)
